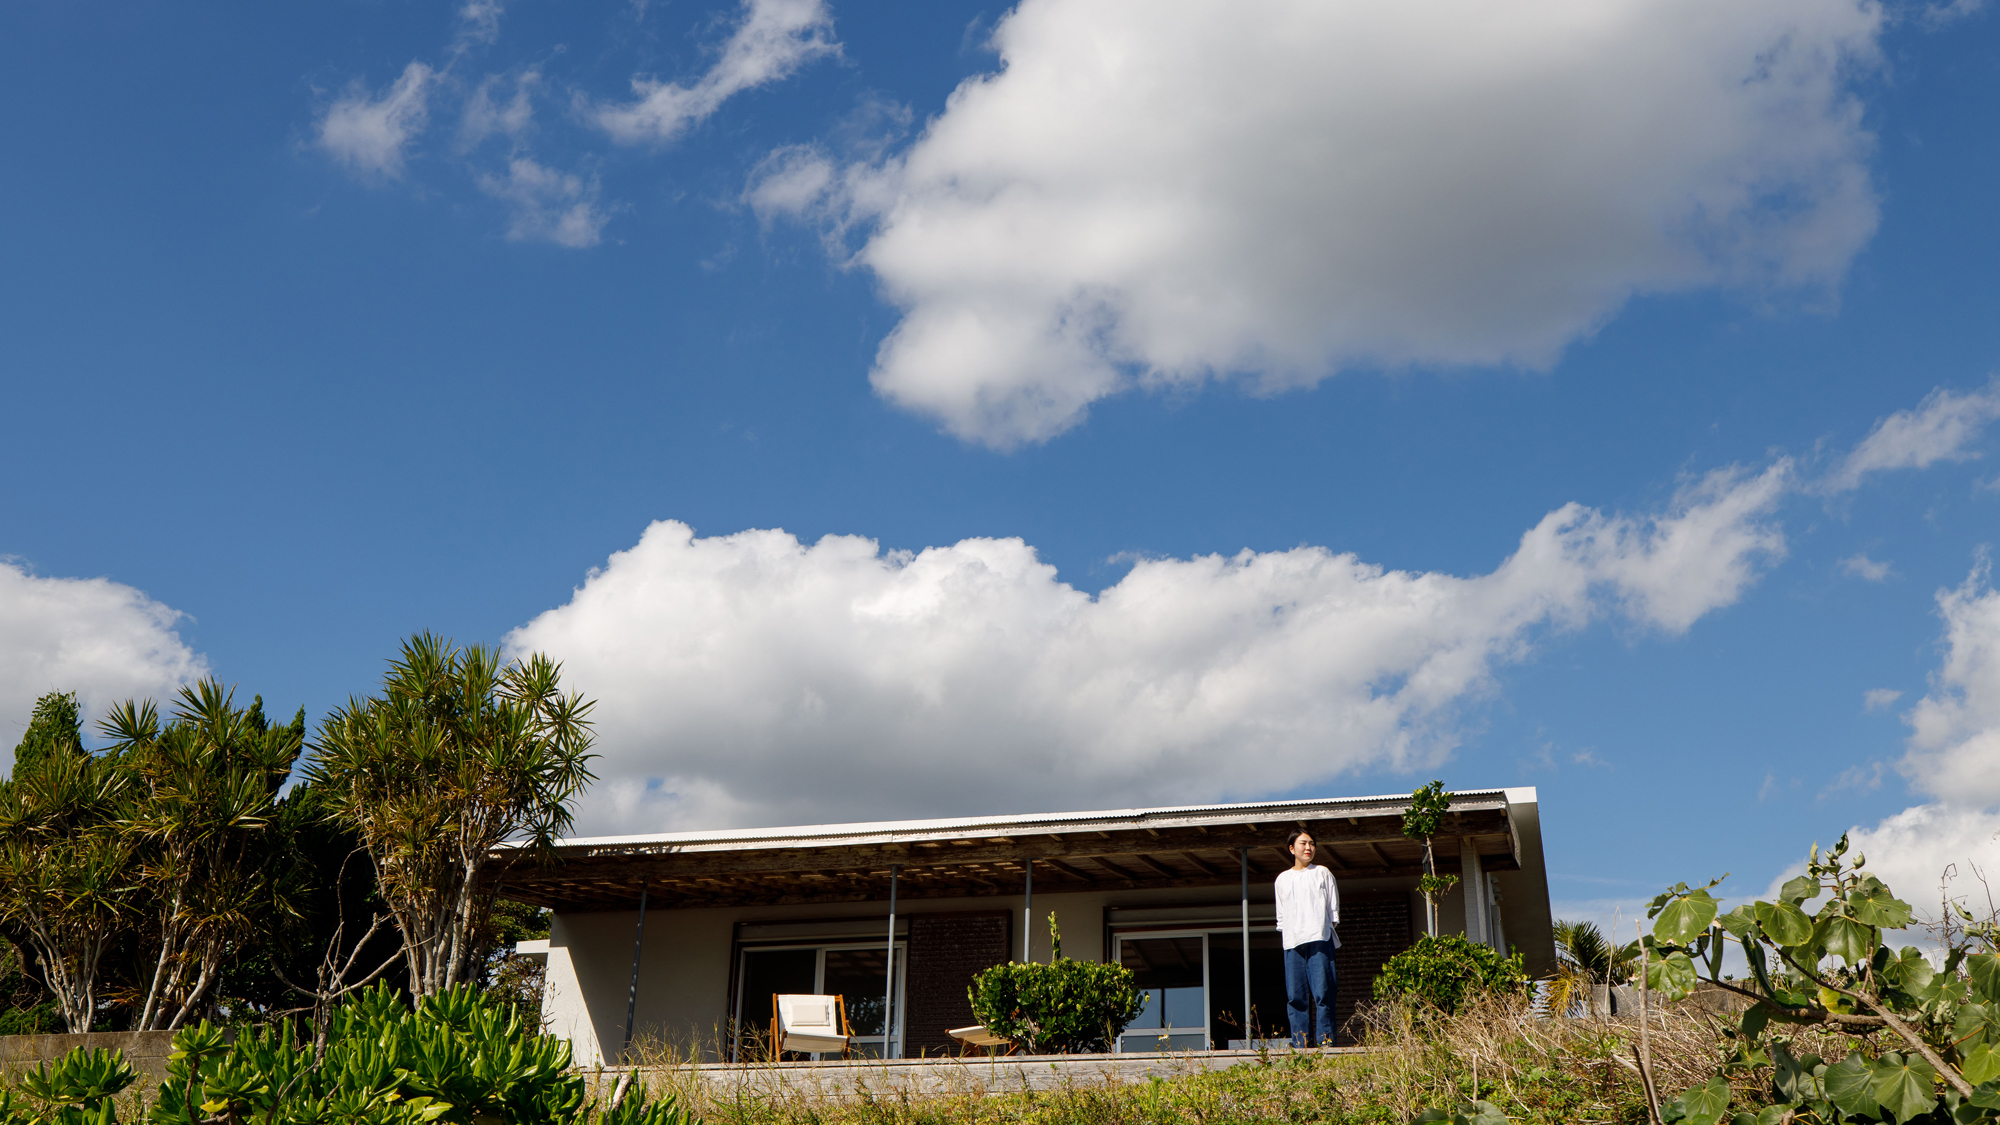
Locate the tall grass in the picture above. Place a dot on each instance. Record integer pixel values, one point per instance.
(1568, 1071)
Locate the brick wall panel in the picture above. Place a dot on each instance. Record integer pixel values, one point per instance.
(1371, 932)
(945, 950)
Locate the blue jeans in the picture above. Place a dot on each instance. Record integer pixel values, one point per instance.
(1309, 977)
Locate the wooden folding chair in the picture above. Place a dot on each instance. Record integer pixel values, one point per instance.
(812, 1024)
(978, 1036)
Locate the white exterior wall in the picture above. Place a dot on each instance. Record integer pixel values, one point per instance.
(685, 970)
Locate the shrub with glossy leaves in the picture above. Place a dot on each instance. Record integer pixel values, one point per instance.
(1444, 971)
(1063, 1007)
(457, 1058)
(77, 1089)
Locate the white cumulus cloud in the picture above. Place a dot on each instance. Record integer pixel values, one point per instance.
(1155, 192)
(1953, 756)
(1940, 428)
(369, 133)
(546, 205)
(752, 677)
(774, 39)
(105, 641)
(1922, 853)
(1955, 728)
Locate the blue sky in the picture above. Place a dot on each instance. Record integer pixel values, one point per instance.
(323, 325)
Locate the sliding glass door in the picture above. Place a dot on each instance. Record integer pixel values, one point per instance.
(1193, 985)
(1171, 970)
(855, 972)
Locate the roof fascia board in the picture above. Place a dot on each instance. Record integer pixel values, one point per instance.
(993, 827)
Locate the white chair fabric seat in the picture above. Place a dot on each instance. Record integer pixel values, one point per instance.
(810, 1023)
(978, 1036)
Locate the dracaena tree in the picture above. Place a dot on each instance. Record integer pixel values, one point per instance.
(456, 755)
(66, 876)
(206, 785)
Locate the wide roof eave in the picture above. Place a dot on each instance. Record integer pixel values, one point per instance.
(1033, 824)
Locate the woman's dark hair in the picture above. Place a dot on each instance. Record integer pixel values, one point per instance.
(1292, 837)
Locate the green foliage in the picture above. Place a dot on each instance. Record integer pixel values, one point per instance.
(56, 727)
(25, 1005)
(1583, 945)
(457, 1058)
(206, 784)
(1063, 1007)
(457, 755)
(1444, 972)
(76, 1089)
(1428, 806)
(320, 945)
(1470, 1113)
(66, 876)
(1925, 1031)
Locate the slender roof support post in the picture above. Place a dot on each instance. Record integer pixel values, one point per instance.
(1245, 854)
(889, 989)
(638, 944)
(1028, 914)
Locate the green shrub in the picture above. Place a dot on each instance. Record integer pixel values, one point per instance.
(1444, 971)
(1063, 1007)
(76, 1089)
(457, 1058)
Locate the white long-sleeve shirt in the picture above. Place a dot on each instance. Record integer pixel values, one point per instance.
(1308, 906)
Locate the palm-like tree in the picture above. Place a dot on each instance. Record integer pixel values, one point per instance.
(1584, 960)
(65, 862)
(207, 782)
(457, 755)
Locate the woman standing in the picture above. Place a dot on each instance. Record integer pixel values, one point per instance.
(1309, 923)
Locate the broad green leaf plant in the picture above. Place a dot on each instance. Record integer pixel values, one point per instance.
(1927, 1033)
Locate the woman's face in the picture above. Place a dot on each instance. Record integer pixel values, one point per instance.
(1302, 848)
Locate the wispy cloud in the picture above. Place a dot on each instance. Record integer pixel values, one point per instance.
(369, 134)
(486, 115)
(1940, 428)
(774, 40)
(1866, 778)
(546, 205)
(478, 24)
(1867, 569)
(1876, 699)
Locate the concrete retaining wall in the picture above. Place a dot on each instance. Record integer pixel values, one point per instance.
(146, 1050)
(859, 1078)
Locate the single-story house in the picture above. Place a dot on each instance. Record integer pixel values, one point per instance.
(687, 935)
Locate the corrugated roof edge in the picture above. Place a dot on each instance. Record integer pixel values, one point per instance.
(1040, 822)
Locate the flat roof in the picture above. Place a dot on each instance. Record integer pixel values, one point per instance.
(1182, 845)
